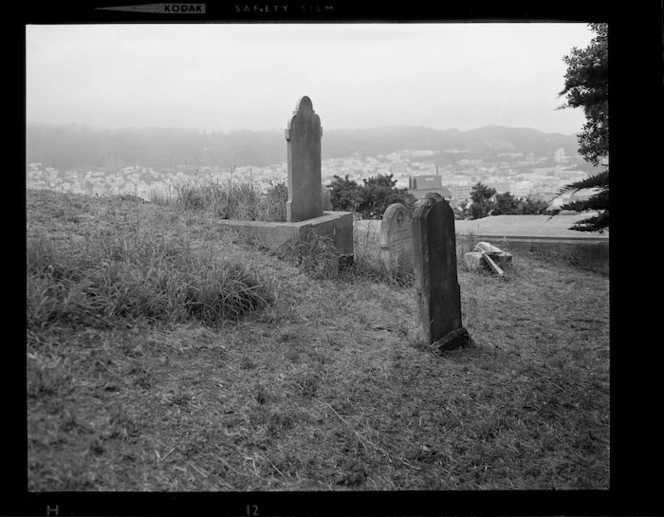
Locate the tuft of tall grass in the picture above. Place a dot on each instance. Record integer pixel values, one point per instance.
(272, 205)
(159, 196)
(315, 255)
(249, 201)
(327, 201)
(134, 275)
(465, 243)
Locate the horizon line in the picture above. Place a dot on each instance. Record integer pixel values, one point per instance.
(95, 126)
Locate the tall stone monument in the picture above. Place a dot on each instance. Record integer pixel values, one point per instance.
(303, 136)
(435, 268)
(305, 200)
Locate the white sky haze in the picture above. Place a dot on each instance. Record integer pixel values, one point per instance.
(232, 76)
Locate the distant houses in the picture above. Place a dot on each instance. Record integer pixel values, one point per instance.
(450, 173)
(543, 184)
(421, 186)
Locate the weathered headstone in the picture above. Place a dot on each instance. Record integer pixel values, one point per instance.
(303, 136)
(396, 239)
(438, 292)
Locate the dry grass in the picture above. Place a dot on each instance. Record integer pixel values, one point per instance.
(132, 272)
(233, 199)
(325, 388)
(251, 201)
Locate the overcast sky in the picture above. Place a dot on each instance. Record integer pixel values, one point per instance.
(231, 76)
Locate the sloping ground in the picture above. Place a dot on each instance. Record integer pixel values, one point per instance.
(328, 388)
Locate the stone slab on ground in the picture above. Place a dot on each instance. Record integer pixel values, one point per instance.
(273, 235)
(492, 265)
(500, 257)
(473, 260)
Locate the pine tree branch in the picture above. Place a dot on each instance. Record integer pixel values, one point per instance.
(600, 180)
(597, 223)
(599, 201)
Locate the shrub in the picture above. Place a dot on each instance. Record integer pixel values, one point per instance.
(344, 193)
(369, 199)
(482, 202)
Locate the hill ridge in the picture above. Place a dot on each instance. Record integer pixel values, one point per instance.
(75, 145)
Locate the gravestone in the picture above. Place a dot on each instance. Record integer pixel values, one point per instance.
(396, 239)
(305, 200)
(435, 268)
(303, 137)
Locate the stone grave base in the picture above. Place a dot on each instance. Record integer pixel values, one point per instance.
(458, 338)
(337, 225)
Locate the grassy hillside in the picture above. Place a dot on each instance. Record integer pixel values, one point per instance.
(166, 354)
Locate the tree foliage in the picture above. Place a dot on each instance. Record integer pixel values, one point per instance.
(344, 193)
(530, 206)
(506, 204)
(482, 204)
(379, 192)
(485, 201)
(371, 198)
(586, 87)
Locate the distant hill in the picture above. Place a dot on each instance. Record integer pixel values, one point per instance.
(526, 140)
(486, 141)
(75, 145)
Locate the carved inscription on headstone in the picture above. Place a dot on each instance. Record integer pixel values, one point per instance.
(396, 239)
(303, 137)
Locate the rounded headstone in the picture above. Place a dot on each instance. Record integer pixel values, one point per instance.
(396, 239)
(303, 137)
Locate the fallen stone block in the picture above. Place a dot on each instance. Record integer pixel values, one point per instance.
(473, 260)
(500, 257)
(495, 267)
(487, 248)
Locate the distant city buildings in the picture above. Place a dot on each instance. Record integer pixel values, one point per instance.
(451, 173)
(421, 186)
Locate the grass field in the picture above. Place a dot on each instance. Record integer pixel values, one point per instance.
(167, 354)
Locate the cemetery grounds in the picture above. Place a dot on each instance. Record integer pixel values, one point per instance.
(140, 377)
